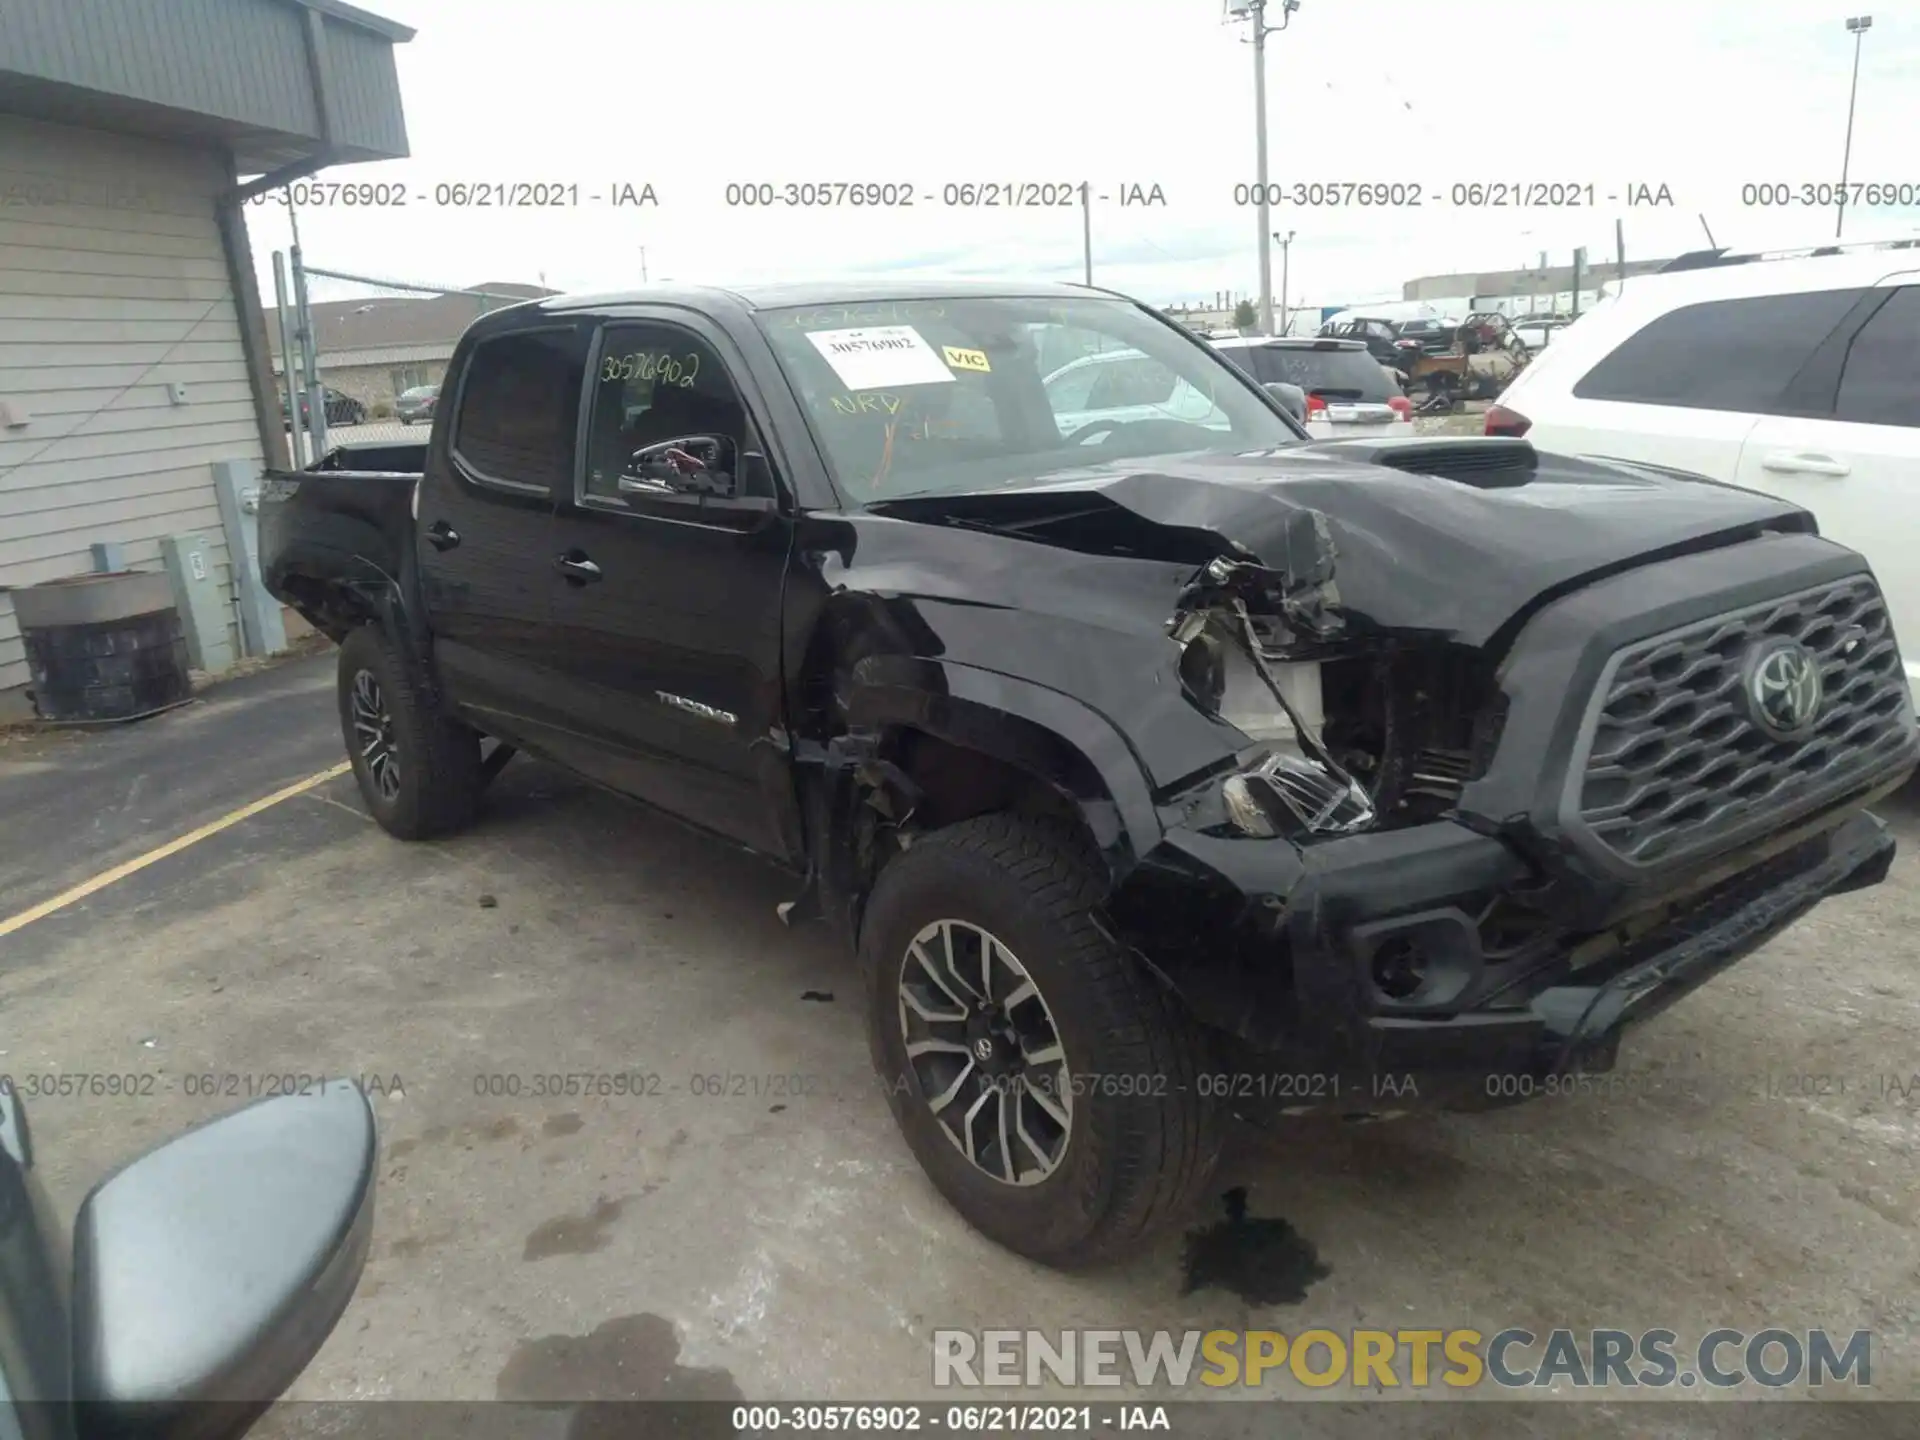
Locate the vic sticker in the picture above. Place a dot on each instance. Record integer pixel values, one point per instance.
(966, 359)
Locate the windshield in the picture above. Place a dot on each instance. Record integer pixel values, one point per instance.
(913, 397)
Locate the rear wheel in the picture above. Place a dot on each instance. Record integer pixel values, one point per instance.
(1045, 1082)
(419, 773)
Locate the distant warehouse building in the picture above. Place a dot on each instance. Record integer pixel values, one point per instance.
(1546, 288)
(133, 356)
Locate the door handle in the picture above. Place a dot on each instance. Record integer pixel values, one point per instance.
(442, 536)
(577, 568)
(1805, 462)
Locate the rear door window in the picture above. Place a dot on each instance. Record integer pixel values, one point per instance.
(519, 410)
(1880, 384)
(1720, 354)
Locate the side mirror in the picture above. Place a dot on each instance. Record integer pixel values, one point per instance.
(1291, 397)
(207, 1273)
(688, 464)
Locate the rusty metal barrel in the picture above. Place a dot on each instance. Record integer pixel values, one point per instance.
(103, 647)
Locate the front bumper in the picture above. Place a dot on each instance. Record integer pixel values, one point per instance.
(1292, 980)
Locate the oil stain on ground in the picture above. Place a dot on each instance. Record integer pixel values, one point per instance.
(600, 1375)
(573, 1234)
(1264, 1262)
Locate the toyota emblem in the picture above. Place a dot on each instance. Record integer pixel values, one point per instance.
(1784, 691)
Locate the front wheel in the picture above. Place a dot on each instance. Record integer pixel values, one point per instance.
(419, 773)
(1046, 1083)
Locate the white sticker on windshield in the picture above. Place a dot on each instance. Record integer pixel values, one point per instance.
(876, 356)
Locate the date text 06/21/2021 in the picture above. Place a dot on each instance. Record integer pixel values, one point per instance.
(1566, 194)
(1887, 1086)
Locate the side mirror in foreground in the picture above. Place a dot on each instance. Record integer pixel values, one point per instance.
(207, 1273)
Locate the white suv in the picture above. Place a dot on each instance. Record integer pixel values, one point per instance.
(1797, 377)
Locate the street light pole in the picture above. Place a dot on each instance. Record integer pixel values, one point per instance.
(1086, 231)
(1858, 26)
(1286, 244)
(1256, 10)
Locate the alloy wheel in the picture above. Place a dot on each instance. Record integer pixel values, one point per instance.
(985, 1050)
(373, 731)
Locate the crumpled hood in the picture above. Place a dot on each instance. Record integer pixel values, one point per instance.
(1477, 535)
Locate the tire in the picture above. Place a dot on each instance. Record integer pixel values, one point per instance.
(430, 782)
(1141, 1144)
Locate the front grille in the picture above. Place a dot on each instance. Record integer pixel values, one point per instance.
(1676, 764)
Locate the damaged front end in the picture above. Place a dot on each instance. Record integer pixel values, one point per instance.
(1354, 903)
(1433, 761)
(1349, 727)
(1291, 781)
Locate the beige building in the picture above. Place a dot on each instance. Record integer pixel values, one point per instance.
(132, 359)
(372, 349)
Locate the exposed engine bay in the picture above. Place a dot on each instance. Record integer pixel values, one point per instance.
(1348, 732)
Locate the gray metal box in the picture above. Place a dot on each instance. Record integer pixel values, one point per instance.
(204, 613)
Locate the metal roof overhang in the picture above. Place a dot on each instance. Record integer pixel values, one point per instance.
(209, 72)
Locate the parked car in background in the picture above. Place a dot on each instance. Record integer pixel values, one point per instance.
(199, 1278)
(1124, 387)
(341, 408)
(1393, 312)
(1537, 331)
(1347, 392)
(1380, 336)
(416, 404)
(1799, 377)
(1434, 335)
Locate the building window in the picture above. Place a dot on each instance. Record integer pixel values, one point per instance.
(408, 377)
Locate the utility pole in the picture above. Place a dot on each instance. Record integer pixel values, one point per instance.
(289, 368)
(1286, 244)
(1086, 230)
(1857, 26)
(304, 337)
(1256, 11)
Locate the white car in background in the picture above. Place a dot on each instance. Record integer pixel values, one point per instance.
(1798, 377)
(1120, 387)
(1536, 332)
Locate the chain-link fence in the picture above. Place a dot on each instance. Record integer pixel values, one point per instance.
(376, 349)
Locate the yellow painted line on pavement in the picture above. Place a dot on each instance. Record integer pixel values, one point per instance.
(161, 852)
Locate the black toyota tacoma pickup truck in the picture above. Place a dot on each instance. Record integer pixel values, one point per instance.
(1158, 763)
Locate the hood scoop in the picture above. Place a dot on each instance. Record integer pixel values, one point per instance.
(1492, 463)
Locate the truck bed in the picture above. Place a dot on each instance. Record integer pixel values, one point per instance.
(329, 524)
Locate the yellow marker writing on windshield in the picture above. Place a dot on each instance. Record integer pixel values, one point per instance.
(966, 359)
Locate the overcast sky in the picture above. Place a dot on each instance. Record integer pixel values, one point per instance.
(1701, 96)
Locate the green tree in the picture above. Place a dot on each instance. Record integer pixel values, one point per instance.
(1243, 316)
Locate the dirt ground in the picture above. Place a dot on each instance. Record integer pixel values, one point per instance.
(785, 1245)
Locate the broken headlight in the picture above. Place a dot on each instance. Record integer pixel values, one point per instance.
(1281, 791)
(1294, 782)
